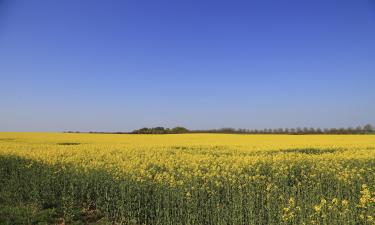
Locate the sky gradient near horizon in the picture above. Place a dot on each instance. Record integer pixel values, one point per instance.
(93, 65)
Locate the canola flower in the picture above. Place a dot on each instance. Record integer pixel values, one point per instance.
(196, 178)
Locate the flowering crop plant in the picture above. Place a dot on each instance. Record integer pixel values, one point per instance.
(192, 178)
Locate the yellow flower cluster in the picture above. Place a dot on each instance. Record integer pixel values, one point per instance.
(208, 178)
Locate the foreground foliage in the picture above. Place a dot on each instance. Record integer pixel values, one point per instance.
(187, 179)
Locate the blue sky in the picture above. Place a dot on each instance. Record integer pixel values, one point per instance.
(120, 65)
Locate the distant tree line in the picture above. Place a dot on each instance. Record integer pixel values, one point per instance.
(161, 130)
(305, 130)
(367, 129)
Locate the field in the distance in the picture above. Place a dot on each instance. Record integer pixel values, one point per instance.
(186, 179)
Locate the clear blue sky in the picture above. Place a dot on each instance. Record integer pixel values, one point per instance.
(119, 65)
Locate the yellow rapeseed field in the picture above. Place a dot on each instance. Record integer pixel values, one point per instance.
(194, 178)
